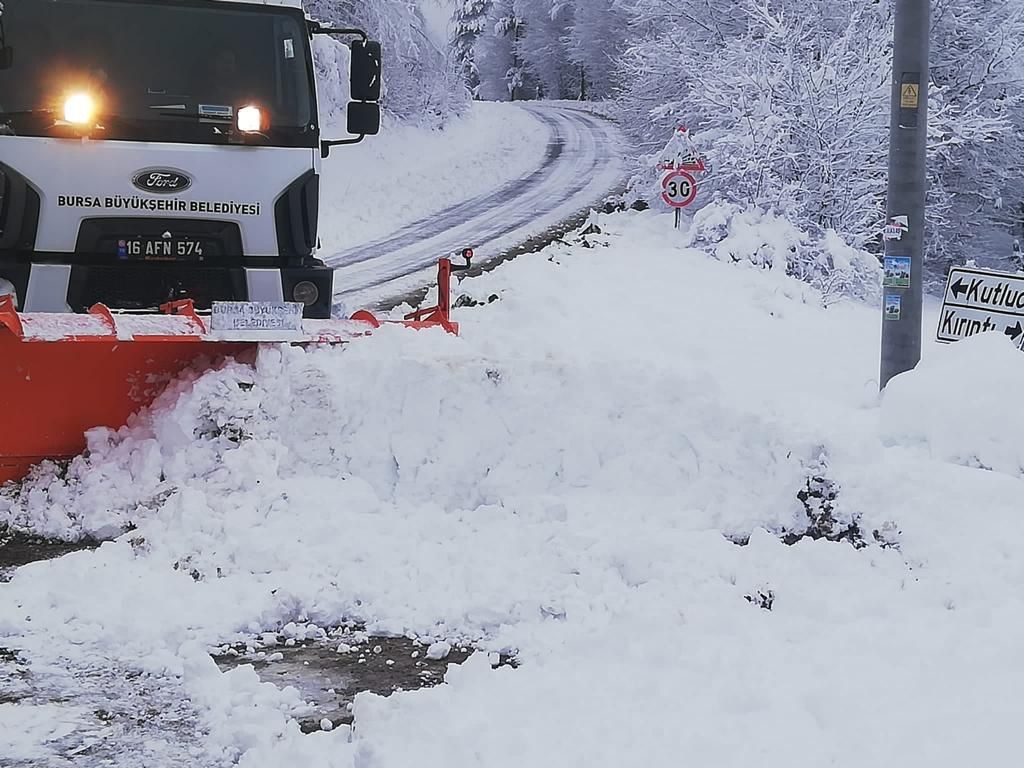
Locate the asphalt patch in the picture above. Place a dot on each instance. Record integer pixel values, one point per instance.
(330, 680)
(18, 549)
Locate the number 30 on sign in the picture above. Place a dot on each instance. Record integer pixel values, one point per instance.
(679, 189)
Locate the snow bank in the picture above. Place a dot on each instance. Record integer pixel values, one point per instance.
(598, 476)
(959, 405)
(408, 172)
(746, 233)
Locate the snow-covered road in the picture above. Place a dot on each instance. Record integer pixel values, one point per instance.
(582, 164)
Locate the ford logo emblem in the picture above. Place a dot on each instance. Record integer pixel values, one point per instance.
(162, 181)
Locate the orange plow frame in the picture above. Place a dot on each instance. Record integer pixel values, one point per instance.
(62, 375)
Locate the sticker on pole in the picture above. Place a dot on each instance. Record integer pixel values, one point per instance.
(982, 301)
(679, 189)
(897, 227)
(893, 307)
(255, 316)
(897, 271)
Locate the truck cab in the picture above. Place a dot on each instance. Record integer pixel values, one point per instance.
(155, 150)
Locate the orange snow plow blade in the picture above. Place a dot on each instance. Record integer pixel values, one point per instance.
(64, 374)
(61, 375)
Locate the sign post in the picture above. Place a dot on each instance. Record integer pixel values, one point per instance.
(904, 229)
(680, 162)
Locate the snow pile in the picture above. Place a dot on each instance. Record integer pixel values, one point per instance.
(666, 483)
(425, 171)
(961, 408)
(746, 233)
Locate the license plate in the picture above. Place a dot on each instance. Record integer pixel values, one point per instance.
(160, 248)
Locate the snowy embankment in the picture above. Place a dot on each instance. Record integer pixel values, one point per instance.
(599, 476)
(407, 173)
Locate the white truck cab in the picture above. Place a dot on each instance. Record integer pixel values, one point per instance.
(153, 150)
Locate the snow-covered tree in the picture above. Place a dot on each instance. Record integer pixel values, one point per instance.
(976, 157)
(557, 49)
(470, 22)
(787, 107)
(502, 74)
(790, 99)
(421, 82)
(597, 37)
(542, 46)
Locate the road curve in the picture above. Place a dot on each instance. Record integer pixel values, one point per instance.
(582, 165)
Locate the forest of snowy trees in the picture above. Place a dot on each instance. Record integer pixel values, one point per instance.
(422, 83)
(788, 99)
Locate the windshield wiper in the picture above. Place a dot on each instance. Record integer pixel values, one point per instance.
(222, 128)
(164, 111)
(4, 115)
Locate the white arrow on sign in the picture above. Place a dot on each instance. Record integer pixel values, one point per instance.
(982, 301)
(985, 289)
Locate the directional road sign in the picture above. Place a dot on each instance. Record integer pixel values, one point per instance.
(981, 301)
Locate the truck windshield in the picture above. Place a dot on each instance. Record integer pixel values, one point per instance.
(158, 71)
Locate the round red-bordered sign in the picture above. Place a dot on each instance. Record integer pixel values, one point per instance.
(679, 189)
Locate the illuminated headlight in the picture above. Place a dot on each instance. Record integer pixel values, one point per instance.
(80, 109)
(306, 293)
(250, 119)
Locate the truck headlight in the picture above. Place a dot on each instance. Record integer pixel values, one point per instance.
(251, 119)
(80, 109)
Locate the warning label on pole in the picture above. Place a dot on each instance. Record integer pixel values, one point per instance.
(910, 95)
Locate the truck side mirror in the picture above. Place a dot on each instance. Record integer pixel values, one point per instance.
(363, 121)
(364, 83)
(365, 75)
(6, 57)
(363, 118)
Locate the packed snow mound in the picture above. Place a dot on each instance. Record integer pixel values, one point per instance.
(736, 233)
(665, 482)
(960, 405)
(441, 431)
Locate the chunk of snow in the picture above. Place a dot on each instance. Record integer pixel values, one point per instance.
(439, 650)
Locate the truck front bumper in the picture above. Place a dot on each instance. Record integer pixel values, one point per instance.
(46, 287)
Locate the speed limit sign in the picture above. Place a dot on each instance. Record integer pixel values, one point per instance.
(679, 189)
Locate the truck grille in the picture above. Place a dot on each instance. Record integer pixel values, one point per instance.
(147, 286)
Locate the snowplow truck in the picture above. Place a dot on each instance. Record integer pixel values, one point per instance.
(156, 150)
(159, 184)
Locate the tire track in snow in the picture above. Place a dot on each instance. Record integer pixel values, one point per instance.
(582, 165)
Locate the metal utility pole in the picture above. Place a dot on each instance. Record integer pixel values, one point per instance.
(904, 230)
